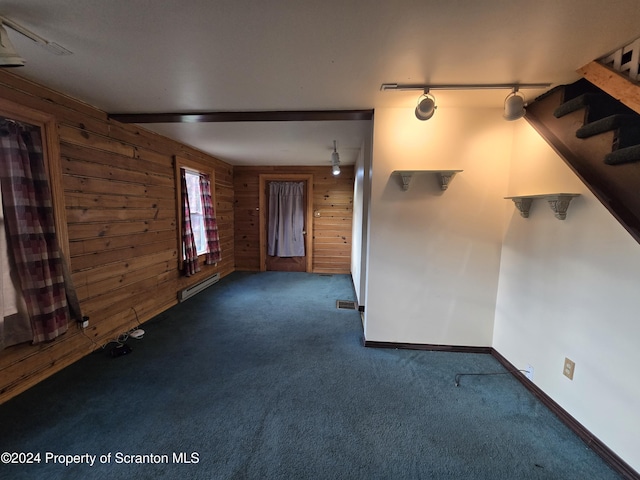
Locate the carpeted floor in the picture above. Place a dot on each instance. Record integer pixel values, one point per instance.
(262, 377)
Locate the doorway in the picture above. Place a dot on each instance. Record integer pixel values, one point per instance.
(300, 258)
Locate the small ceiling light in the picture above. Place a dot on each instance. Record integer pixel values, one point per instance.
(514, 105)
(426, 106)
(335, 160)
(8, 55)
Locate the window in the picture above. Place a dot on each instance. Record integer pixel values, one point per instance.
(197, 226)
(34, 300)
(194, 193)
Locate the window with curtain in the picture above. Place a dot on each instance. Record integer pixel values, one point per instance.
(199, 227)
(36, 287)
(194, 193)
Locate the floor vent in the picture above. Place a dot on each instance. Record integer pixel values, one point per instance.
(198, 287)
(346, 305)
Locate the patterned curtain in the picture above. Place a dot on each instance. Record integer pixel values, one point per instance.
(188, 241)
(26, 198)
(210, 223)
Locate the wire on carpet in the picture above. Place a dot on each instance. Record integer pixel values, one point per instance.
(123, 337)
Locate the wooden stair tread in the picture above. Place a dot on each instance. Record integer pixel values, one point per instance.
(612, 122)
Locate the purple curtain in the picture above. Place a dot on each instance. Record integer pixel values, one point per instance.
(188, 241)
(30, 226)
(210, 222)
(286, 219)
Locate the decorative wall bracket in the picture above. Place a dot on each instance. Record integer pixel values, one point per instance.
(444, 176)
(559, 203)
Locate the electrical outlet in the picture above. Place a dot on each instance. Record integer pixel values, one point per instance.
(529, 372)
(569, 368)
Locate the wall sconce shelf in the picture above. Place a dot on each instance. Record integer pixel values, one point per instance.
(559, 203)
(444, 176)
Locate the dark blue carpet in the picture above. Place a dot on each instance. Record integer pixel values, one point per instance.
(261, 377)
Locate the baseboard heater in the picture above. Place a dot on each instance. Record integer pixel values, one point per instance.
(198, 287)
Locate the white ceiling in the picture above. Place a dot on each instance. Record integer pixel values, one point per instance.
(152, 56)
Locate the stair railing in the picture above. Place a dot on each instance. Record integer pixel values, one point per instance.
(625, 60)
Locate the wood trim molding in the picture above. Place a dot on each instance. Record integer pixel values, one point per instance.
(266, 116)
(308, 241)
(428, 347)
(614, 83)
(585, 435)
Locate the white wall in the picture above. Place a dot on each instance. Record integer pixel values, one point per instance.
(434, 256)
(571, 289)
(360, 225)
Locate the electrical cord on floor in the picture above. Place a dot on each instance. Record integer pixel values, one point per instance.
(95, 345)
(123, 337)
(137, 319)
(458, 375)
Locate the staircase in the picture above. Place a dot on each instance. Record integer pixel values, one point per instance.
(599, 138)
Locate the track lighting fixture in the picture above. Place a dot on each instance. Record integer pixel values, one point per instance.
(513, 105)
(8, 55)
(426, 106)
(335, 160)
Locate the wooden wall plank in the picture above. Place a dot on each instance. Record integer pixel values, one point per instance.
(156, 164)
(78, 200)
(79, 247)
(92, 230)
(98, 185)
(49, 99)
(89, 139)
(112, 172)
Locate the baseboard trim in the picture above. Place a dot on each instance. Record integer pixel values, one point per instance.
(595, 444)
(430, 347)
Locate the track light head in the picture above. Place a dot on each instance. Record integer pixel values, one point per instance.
(514, 105)
(8, 55)
(426, 106)
(335, 160)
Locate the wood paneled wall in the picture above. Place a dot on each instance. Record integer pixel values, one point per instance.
(332, 201)
(119, 199)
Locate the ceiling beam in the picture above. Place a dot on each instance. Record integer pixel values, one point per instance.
(260, 116)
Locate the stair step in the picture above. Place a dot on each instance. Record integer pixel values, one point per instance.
(578, 88)
(598, 105)
(623, 155)
(626, 136)
(612, 122)
(576, 103)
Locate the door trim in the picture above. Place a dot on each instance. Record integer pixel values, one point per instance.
(308, 240)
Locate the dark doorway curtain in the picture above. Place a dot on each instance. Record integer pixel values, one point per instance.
(285, 234)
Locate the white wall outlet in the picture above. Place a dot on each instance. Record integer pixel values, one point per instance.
(569, 368)
(529, 372)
